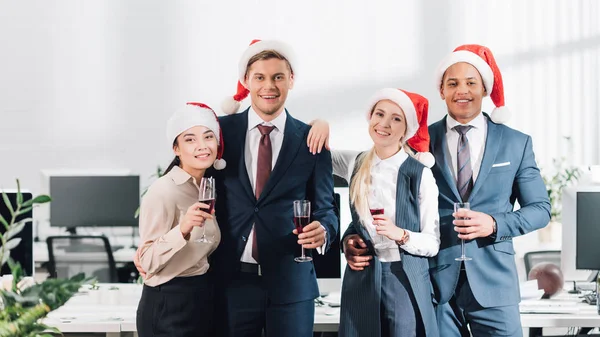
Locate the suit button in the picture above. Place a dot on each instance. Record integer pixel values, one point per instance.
(256, 210)
(244, 238)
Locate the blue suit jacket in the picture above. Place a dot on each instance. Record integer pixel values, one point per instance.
(297, 174)
(492, 273)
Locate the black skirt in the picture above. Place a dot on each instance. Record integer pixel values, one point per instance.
(182, 307)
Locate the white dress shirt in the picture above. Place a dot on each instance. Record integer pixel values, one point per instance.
(476, 137)
(251, 155)
(384, 176)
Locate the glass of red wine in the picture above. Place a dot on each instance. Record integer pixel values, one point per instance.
(301, 219)
(206, 196)
(376, 206)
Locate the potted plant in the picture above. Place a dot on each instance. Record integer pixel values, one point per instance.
(23, 305)
(560, 176)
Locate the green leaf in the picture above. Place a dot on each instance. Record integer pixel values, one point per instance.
(5, 257)
(40, 199)
(3, 221)
(19, 195)
(137, 213)
(7, 202)
(17, 228)
(10, 245)
(24, 210)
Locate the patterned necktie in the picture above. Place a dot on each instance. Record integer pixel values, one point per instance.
(263, 170)
(464, 171)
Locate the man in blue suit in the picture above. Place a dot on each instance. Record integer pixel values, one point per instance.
(259, 285)
(489, 165)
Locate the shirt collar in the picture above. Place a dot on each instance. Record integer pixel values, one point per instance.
(478, 122)
(179, 176)
(395, 160)
(254, 120)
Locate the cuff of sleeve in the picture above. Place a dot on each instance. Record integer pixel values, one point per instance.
(321, 250)
(175, 238)
(498, 232)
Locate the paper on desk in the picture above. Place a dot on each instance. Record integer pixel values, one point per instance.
(529, 290)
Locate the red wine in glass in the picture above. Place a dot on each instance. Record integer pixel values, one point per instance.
(376, 211)
(210, 203)
(300, 222)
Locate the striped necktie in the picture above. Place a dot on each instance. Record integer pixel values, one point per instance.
(464, 170)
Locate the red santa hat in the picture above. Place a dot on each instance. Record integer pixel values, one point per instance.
(415, 109)
(195, 114)
(482, 59)
(232, 104)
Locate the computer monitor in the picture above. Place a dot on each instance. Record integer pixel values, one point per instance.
(329, 267)
(90, 200)
(580, 232)
(23, 253)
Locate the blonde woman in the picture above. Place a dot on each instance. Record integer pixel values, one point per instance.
(386, 289)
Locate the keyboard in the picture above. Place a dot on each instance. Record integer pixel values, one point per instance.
(548, 307)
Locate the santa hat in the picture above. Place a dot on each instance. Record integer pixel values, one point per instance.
(482, 59)
(232, 104)
(195, 114)
(415, 109)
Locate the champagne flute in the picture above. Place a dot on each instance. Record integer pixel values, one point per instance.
(301, 219)
(206, 196)
(463, 206)
(376, 206)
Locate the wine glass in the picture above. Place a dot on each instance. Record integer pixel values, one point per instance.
(464, 206)
(206, 196)
(301, 219)
(376, 206)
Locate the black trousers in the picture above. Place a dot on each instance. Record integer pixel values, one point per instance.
(182, 307)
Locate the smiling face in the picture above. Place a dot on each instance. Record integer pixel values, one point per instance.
(462, 89)
(269, 81)
(197, 149)
(387, 126)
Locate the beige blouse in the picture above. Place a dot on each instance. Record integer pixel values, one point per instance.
(164, 253)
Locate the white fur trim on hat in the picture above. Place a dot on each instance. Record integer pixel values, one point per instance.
(219, 164)
(500, 115)
(469, 57)
(188, 117)
(255, 48)
(399, 97)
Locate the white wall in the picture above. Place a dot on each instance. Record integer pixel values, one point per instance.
(90, 84)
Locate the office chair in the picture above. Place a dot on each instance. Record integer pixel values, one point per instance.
(533, 258)
(73, 254)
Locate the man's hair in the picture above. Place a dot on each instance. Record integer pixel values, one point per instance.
(266, 55)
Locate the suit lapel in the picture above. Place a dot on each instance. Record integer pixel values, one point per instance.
(443, 163)
(492, 145)
(240, 141)
(292, 140)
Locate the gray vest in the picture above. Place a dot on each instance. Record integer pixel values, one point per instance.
(361, 290)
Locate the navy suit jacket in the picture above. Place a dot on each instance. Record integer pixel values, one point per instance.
(508, 172)
(297, 175)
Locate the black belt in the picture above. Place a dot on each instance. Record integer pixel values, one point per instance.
(250, 268)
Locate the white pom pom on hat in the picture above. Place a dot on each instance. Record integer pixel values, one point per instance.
(482, 59)
(195, 114)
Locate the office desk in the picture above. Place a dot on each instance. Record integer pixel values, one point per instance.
(111, 312)
(40, 254)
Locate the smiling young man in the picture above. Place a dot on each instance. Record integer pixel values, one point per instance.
(260, 286)
(489, 165)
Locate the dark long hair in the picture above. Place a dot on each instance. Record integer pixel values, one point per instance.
(175, 162)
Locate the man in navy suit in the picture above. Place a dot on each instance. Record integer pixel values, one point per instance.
(259, 285)
(489, 165)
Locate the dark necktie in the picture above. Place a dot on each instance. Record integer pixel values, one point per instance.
(464, 171)
(263, 170)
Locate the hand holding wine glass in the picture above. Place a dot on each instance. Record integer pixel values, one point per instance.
(206, 197)
(301, 220)
(462, 206)
(194, 216)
